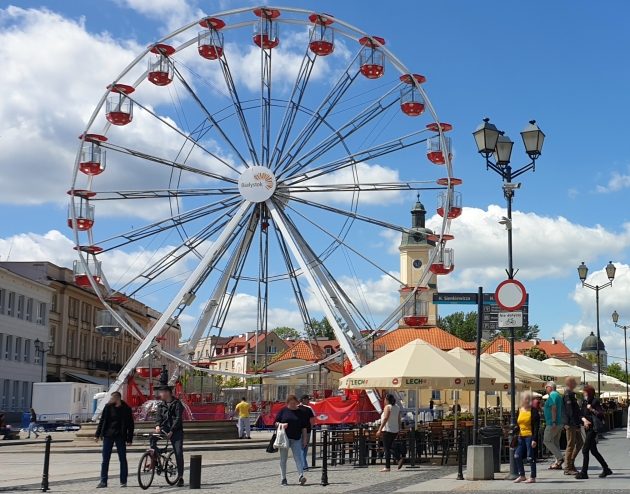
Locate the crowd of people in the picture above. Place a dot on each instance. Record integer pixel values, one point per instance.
(561, 412)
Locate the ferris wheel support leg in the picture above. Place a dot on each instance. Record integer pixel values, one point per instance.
(196, 275)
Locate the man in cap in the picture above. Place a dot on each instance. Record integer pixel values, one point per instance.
(572, 426)
(169, 420)
(553, 424)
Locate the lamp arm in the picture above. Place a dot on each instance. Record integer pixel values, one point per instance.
(494, 167)
(523, 169)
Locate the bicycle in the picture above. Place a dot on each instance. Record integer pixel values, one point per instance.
(159, 460)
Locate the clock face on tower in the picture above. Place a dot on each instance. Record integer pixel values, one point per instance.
(417, 263)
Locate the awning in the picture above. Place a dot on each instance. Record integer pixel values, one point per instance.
(85, 378)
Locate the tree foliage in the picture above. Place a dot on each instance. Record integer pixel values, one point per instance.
(287, 333)
(535, 352)
(615, 370)
(321, 328)
(460, 324)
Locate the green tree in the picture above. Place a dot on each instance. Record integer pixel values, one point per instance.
(230, 382)
(615, 370)
(535, 352)
(460, 324)
(529, 333)
(322, 329)
(287, 333)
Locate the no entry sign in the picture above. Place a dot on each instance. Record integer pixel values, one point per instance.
(510, 295)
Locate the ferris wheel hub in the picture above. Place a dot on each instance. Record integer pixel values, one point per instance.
(257, 184)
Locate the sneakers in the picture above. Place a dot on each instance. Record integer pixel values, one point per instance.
(401, 463)
(519, 479)
(180, 483)
(123, 484)
(530, 481)
(101, 485)
(284, 483)
(582, 476)
(570, 471)
(302, 480)
(607, 471)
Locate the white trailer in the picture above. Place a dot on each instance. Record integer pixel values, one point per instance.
(65, 401)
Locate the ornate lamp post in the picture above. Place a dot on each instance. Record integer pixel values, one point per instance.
(493, 142)
(583, 274)
(615, 318)
(42, 349)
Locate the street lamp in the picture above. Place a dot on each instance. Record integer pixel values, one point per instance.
(615, 318)
(42, 349)
(492, 142)
(582, 274)
(109, 362)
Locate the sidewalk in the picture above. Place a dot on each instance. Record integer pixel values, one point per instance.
(615, 449)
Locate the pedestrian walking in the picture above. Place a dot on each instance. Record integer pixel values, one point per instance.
(528, 427)
(169, 421)
(572, 426)
(115, 428)
(389, 429)
(294, 421)
(553, 411)
(309, 416)
(242, 410)
(592, 416)
(32, 424)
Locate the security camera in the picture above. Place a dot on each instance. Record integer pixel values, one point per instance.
(507, 222)
(512, 185)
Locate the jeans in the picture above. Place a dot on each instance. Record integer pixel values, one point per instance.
(574, 445)
(32, 427)
(177, 441)
(552, 441)
(590, 447)
(388, 443)
(121, 449)
(243, 427)
(305, 456)
(295, 445)
(524, 450)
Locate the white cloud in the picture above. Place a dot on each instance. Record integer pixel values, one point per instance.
(618, 181)
(544, 247)
(173, 13)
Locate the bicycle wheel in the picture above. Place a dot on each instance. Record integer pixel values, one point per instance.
(170, 469)
(146, 470)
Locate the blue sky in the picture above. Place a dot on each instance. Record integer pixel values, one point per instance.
(561, 63)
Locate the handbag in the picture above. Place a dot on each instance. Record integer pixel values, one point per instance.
(598, 425)
(270, 447)
(281, 438)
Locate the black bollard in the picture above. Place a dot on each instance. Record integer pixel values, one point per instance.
(460, 456)
(324, 481)
(46, 464)
(314, 448)
(362, 449)
(195, 472)
(411, 447)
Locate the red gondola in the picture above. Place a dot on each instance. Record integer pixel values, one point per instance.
(210, 42)
(266, 31)
(455, 206)
(161, 70)
(322, 37)
(444, 262)
(93, 157)
(83, 210)
(82, 275)
(371, 57)
(411, 101)
(416, 311)
(118, 107)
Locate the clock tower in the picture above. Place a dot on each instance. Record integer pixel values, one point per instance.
(415, 249)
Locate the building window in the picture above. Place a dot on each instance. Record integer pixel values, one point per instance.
(1, 345)
(27, 350)
(271, 349)
(20, 307)
(436, 395)
(3, 296)
(53, 338)
(86, 312)
(41, 313)
(15, 395)
(53, 305)
(73, 308)
(11, 304)
(70, 347)
(18, 348)
(8, 343)
(29, 310)
(328, 350)
(6, 386)
(25, 393)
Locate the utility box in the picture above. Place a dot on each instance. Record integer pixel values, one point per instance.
(65, 401)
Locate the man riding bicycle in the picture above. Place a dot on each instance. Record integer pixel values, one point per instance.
(169, 420)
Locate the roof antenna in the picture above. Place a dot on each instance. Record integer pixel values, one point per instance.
(418, 196)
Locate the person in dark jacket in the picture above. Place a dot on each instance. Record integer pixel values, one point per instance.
(32, 424)
(528, 428)
(115, 428)
(169, 420)
(592, 413)
(572, 426)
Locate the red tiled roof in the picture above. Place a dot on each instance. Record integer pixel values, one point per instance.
(334, 367)
(302, 350)
(434, 336)
(553, 348)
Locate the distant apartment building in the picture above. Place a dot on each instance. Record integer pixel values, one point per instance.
(24, 323)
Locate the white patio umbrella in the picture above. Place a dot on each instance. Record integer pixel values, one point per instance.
(544, 372)
(586, 376)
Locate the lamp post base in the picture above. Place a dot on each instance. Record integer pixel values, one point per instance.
(513, 473)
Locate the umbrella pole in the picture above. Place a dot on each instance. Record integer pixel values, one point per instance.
(485, 409)
(417, 400)
(456, 414)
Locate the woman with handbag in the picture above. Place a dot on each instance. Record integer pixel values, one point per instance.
(528, 426)
(292, 420)
(592, 415)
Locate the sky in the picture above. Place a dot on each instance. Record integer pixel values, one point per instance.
(560, 63)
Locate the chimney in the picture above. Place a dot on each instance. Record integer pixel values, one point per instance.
(553, 340)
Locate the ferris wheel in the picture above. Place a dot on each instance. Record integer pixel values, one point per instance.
(252, 165)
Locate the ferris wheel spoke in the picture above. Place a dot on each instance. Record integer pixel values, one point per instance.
(322, 296)
(293, 105)
(360, 187)
(211, 119)
(349, 214)
(180, 300)
(372, 153)
(160, 194)
(188, 137)
(319, 116)
(166, 162)
(265, 105)
(263, 278)
(379, 107)
(238, 107)
(342, 241)
(157, 227)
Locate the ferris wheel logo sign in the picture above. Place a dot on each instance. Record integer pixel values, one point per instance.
(257, 184)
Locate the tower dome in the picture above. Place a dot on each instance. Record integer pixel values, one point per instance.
(589, 345)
